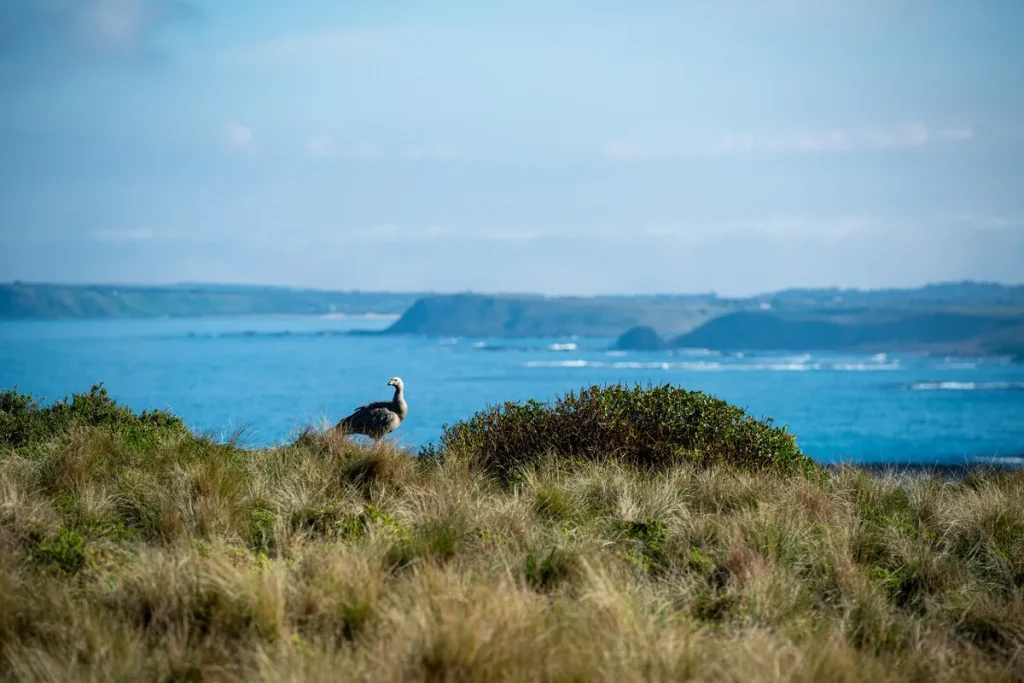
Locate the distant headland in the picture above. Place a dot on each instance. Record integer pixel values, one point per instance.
(26, 301)
(973, 318)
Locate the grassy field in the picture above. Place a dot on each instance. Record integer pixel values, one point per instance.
(133, 550)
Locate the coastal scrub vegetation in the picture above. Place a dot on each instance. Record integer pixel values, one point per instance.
(650, 428)
(131, 549)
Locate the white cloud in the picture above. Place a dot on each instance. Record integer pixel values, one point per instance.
(910, 135)
(321, 146)
(835, 140)
(115, 22)
(237, 135)
(123, 235)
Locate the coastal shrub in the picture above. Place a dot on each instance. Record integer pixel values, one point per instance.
(649, 427)
(25, 422)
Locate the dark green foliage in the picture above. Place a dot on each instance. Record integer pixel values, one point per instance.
(64, 554)
(646, 541)
(261, 530)
(435, 540)
(334, 522)
(699, 563)
(556, 567)
(713, 606)
(24, 422)
(555, 504)
(650, 427)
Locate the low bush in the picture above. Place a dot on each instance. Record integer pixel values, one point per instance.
(650, 427)
(25, 422)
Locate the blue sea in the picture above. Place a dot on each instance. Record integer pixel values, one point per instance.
(273, 375)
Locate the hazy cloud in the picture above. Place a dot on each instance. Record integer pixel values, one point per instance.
(39, 35)
(123, 235)
(325, 46)
(835, 140)
(321, 146)
(237, 135)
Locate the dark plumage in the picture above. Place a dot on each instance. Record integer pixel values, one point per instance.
(379, 418)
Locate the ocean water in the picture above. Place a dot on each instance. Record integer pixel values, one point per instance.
(273, 375)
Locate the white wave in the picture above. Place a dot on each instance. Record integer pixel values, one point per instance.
(802, 358)
(616, 354)
(697, 352)
(715, 366)
(579, 363)
(448, 341)
(787, 367)
(879, 358)
(694, 366)
(479, 345)
(1002, 459)
(864, 367)
(966, 386)
(666, 365)
(562, 347)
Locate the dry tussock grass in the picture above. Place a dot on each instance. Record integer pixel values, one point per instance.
(325, 560)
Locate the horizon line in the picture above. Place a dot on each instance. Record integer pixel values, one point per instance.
(428, 292)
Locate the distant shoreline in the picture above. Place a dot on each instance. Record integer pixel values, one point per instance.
(216, 316)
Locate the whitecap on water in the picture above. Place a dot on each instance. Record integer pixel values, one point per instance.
(864, 367)
(966, 386)
(563, 364)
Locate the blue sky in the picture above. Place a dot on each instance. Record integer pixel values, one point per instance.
(561, 147)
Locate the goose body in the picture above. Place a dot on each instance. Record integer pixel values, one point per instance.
(379, 418)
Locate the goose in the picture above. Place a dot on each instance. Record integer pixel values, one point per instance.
(379, 418)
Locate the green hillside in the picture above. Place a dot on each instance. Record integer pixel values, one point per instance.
(476, 315)
(945, 332)
(28, 301)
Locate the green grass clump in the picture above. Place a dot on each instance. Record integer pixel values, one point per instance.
(652, 427)
(322, 559)
(65, 553)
